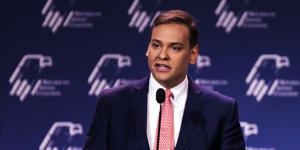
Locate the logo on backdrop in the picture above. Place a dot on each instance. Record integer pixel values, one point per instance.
(263, 79)
(62, 135)
(250, 130)
(142, 17)
(229, 18)
(108, 73)
(28, 78)
(60, 14)
(205, 62)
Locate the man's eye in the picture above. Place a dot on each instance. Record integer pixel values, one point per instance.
(155, 45)
(176, 48)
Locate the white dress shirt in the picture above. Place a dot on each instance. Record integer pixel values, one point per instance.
(178, 101)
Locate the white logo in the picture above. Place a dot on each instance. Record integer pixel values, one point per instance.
(104, 74)
(141, 18)
(69, 18)
(26, 78)
(263, 83)
(228, 19)
(202, 62)
(259, 148)
(22, 87)
(249, 129)
(67, 131)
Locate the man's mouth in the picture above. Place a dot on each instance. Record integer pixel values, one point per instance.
(162, 67)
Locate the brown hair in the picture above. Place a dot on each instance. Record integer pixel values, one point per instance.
(178, 17)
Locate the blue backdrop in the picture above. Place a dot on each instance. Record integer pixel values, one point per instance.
(57, 55)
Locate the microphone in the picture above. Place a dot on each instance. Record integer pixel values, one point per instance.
(160, 98)
(160, 95)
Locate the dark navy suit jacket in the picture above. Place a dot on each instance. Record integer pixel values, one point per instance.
(210, 120)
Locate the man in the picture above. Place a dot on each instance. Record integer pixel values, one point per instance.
(192, 117)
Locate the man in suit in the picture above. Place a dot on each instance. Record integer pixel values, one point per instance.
(192, 118)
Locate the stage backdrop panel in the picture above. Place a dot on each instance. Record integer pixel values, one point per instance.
(57, 56)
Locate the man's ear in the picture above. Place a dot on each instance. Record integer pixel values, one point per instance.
(194, 54)
(147, 53)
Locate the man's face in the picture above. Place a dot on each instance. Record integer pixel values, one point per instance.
(169, 54)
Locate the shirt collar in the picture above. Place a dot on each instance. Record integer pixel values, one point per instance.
(177, 91)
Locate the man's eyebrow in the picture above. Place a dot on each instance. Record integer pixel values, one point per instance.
(171, 44)
(155, 40)
(176, 43)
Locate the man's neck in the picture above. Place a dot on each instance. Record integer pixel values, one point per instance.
(167, 85)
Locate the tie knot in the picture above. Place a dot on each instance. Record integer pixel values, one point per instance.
(169, 93)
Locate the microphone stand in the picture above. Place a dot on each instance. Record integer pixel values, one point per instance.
(160, 98)
(158, 133)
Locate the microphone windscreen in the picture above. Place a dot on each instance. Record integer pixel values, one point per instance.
(160, 95)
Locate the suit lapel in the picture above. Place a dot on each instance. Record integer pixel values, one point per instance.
(139, 108)
(192, 121)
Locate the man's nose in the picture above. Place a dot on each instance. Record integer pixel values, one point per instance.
(163, 54)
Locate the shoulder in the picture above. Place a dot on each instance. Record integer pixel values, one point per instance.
(125, 89)
(122, 92)
(216, 97)
(214, 103)
(217, 106)
(117, 91)
(211, 96)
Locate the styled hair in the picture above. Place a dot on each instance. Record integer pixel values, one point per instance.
(178, 17)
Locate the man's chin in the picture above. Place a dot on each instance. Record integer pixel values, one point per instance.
(163, 79)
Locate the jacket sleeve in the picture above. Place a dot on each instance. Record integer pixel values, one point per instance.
(98, 134)
(232, 137)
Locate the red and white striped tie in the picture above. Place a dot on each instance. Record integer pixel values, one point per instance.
(166, 139)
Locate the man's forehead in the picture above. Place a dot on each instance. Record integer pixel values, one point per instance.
(170, 33)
